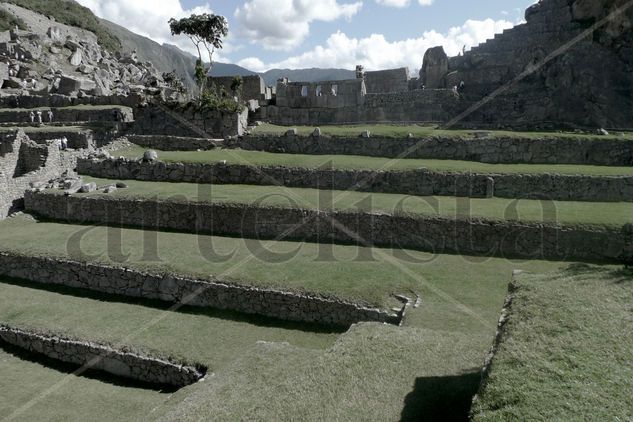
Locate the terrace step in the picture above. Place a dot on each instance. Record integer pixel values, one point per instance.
(419, 182)
(483, 147)
(175, 143)
(470, 236)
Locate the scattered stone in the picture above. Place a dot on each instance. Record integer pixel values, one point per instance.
(121, 185)
(365, 134)
(410, 136)
(110, 189)
(292, 132)
(55, 50)
(317, 133)
(603, 132)
(88, 187)
(76, 58)
(150, 156)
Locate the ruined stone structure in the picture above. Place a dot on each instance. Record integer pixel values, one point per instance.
(24, 161)
(566, 67)
(253, 87)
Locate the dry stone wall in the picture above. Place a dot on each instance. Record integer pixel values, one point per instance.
(174, 143)
(195, 292)
(103, 358)
(189, 122)
(123, 114)
(22, 162)
(420, 182)
(509, 239)
(496, 150)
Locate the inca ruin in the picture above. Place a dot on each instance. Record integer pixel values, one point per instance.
(182, 238)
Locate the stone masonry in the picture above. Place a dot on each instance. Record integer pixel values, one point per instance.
(102, 358)
(210, 292)
(421, 182)
(508, 239)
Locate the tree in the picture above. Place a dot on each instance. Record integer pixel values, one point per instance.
(206, 30)
(236, 85)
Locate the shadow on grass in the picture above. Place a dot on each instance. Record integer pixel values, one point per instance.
(69, 369)
(256, 320)
(446, 398)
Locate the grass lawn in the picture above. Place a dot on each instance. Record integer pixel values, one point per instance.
(372, 372)
(368, 163)
(567, 348)
(399, 131)
(361, 274)
(611, 214)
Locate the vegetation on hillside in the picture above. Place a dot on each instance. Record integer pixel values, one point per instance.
(8, 21)
(73, 14)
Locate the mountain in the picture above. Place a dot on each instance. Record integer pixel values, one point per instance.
(227, 69)
(307, 75)
(165, 58)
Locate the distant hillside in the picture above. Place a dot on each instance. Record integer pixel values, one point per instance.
(165, 58)
(308, 75)
(226, 69)
(71, 13)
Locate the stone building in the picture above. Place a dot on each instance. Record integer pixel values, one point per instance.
(253, 87)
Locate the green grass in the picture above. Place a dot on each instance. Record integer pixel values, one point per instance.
(73, 14)
(608, 214)
(367, 163)
(399, 131)
(317, 375)
(344, 271)
(213, 338)
(567, 348)
(9, 21)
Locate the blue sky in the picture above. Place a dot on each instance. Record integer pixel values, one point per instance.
(326, 33)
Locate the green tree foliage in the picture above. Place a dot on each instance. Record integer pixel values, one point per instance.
(236, 85)
(205, 30)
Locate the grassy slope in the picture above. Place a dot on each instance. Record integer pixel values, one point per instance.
(374, 373)
(73, 14)
(371, 163)
(399, 131)
(210, 337)
(566, 353)
(612, 214)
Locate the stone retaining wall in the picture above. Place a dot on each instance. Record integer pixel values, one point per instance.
(508, 239)
(103, 358)
(420, 182)
(23, 161)
(174, 121)
(195, 292)
(174, 143)
(507, 150)
(125, 114)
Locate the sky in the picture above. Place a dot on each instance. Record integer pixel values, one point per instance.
(378, 34)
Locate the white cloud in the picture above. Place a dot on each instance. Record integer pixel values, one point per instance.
(376, 52)
(402, 3)
(148, 18)
(394, 3)
(285, 24)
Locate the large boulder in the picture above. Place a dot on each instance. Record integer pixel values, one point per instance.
(76, 58)
(69, 85)
(434, 68)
